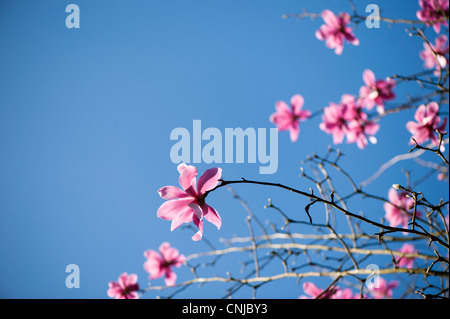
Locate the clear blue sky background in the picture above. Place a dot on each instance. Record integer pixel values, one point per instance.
(85, 118)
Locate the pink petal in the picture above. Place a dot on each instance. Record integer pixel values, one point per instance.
(198, 212)
(212, 216)
(172, 209)
(187, 177)
(293, 132)
(330, 18)
(209, 180)
(420, 113)
(282, 121)
(371, 128)
(114, 289)
(310, 289)
(170, 277)
(171, 192)
(338, 136)
(199, 223)
(304, 115)
(297, 103)
(181, 167)
(282, 108)
(432, 109)
(393, 196)
(154, 267)
(184, 217)
(369, 77)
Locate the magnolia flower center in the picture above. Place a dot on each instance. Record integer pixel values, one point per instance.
(201, 200)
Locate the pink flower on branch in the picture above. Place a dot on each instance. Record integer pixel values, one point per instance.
(287, 119)
(406, 262)
(375, 92)
(347, 119)
(362, 131)
(334, 122)
(435, 56)
(313, 292)
(332, 293)
(335, 31)
(160, 264)
(188, 204)
(427, 123)
(380, 288)
(434, 12)
(398, 210)
(125, 288)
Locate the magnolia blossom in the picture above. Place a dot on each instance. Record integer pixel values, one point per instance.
(335, 30)
(380, 289)
(125, 288)
(188, 204)
(287, 118)
(427, 122)
(398, 210)
(347, 119)
(375, 92)
(335, 122)
(362, 131)
(406, 262)
(160, 264)
(434, 55)
(434, 12)
(333, 293)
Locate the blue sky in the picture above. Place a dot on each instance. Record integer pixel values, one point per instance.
(86, 114)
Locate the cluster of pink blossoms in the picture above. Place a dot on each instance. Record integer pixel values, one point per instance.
(313, 292)
(157, 265)
(406, 262)
(435, 56)
(348, 120)
(379, 289)
(375, 92)
(336, 29)
(434, 12)
(399, 209)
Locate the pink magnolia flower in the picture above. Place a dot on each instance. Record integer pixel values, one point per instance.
(313, 292)
(427, 122)
(347, 119)
(434, 12)
(333, 293)
(406, 262)
(334, 122)
(380, 289)
(158, 265)
(335, 30)
(286, 118)
(125, 288)
(435, 56)
(362, 131)
(375, 92)
(188, 204)
(398, 210)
